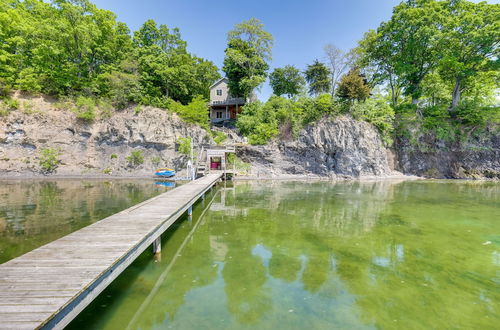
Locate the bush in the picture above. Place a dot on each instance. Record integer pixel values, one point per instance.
(4, 89)
(105, 108)
(85, 109)
(218, 137)
(12, 104)
(184, 145)
(377, 112)
(239, 165)
(114, 156)
(49, 159)
(156, 161)
(29, 81)
(136, 158)
(137, 109)
(195, 112)
(4, 110)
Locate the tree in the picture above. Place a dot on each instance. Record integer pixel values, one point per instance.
(339, 62)
(167, 69)
(376, 58)
(353, 86)
(252, 31)
(318, 77)
(245, 63)
(287, 80)
(471, 43)
(411, 40)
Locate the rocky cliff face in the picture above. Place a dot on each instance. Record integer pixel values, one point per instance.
(94, 148)
(478, 157)
(339, 147)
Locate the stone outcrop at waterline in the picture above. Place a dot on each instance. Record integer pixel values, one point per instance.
(331, 147)
(94, 148)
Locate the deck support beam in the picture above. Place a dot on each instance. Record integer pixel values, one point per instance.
(157, 245)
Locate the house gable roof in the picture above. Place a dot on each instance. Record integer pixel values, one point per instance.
(218, 82)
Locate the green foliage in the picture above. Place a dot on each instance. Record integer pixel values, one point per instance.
(261, 122)
(113, 156)
(239, 164)
(219, 137)
(74, 48)
(107, 171)
(156, 161)
(85, 109)
(184, 145)
(245, 62)
(436, 50)
(137, 109)
(195, 112)
(135, 158)
(353, 86)
(318, 77)
(4, 88)
(377, 112)
(105, 108)
(4, 110)
(286, 81)
(11, 104)
(49, 159)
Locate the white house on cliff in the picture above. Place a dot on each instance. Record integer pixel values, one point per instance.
(224, 107)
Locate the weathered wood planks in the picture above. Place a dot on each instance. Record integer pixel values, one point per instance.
(51, 285)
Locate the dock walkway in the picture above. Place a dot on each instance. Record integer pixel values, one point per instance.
(49, 286)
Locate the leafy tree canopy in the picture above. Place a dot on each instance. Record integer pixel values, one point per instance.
(287, 80)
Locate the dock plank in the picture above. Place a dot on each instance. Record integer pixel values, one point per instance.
(49, 286)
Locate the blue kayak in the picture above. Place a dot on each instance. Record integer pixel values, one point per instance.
(165, 172)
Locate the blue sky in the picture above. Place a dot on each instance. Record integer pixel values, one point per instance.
(300, 27)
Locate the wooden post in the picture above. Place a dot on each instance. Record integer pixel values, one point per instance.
(157, 245)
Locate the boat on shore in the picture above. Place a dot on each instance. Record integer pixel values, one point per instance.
(165, 172)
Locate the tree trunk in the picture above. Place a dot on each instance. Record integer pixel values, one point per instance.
(455, 100)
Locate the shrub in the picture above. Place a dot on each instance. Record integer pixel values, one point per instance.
(137, 109)
(156, 161)
(85, 109)
(29, 80)
(239, 164)
(105, 108)
(184, 145)
(263, 133)
(107, 171)
(12, 104)
(195, 112)
(136, 158)
(4, 110)
(27, 107)
(218, 137)
(4, 89)
(377, 112)
(114, 156)
(49, 159)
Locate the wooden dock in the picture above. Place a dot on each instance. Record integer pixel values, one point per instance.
(49, 286)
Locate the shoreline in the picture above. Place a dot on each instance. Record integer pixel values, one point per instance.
(284, 177)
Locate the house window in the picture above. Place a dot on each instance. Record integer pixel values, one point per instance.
(219, 92)
(219, 114)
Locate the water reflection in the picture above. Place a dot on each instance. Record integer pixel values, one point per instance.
(33, 213)
(320, 255)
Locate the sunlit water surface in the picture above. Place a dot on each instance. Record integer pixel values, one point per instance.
(295, 255)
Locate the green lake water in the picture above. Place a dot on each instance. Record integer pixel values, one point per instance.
(34, 213)
(301, 255)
